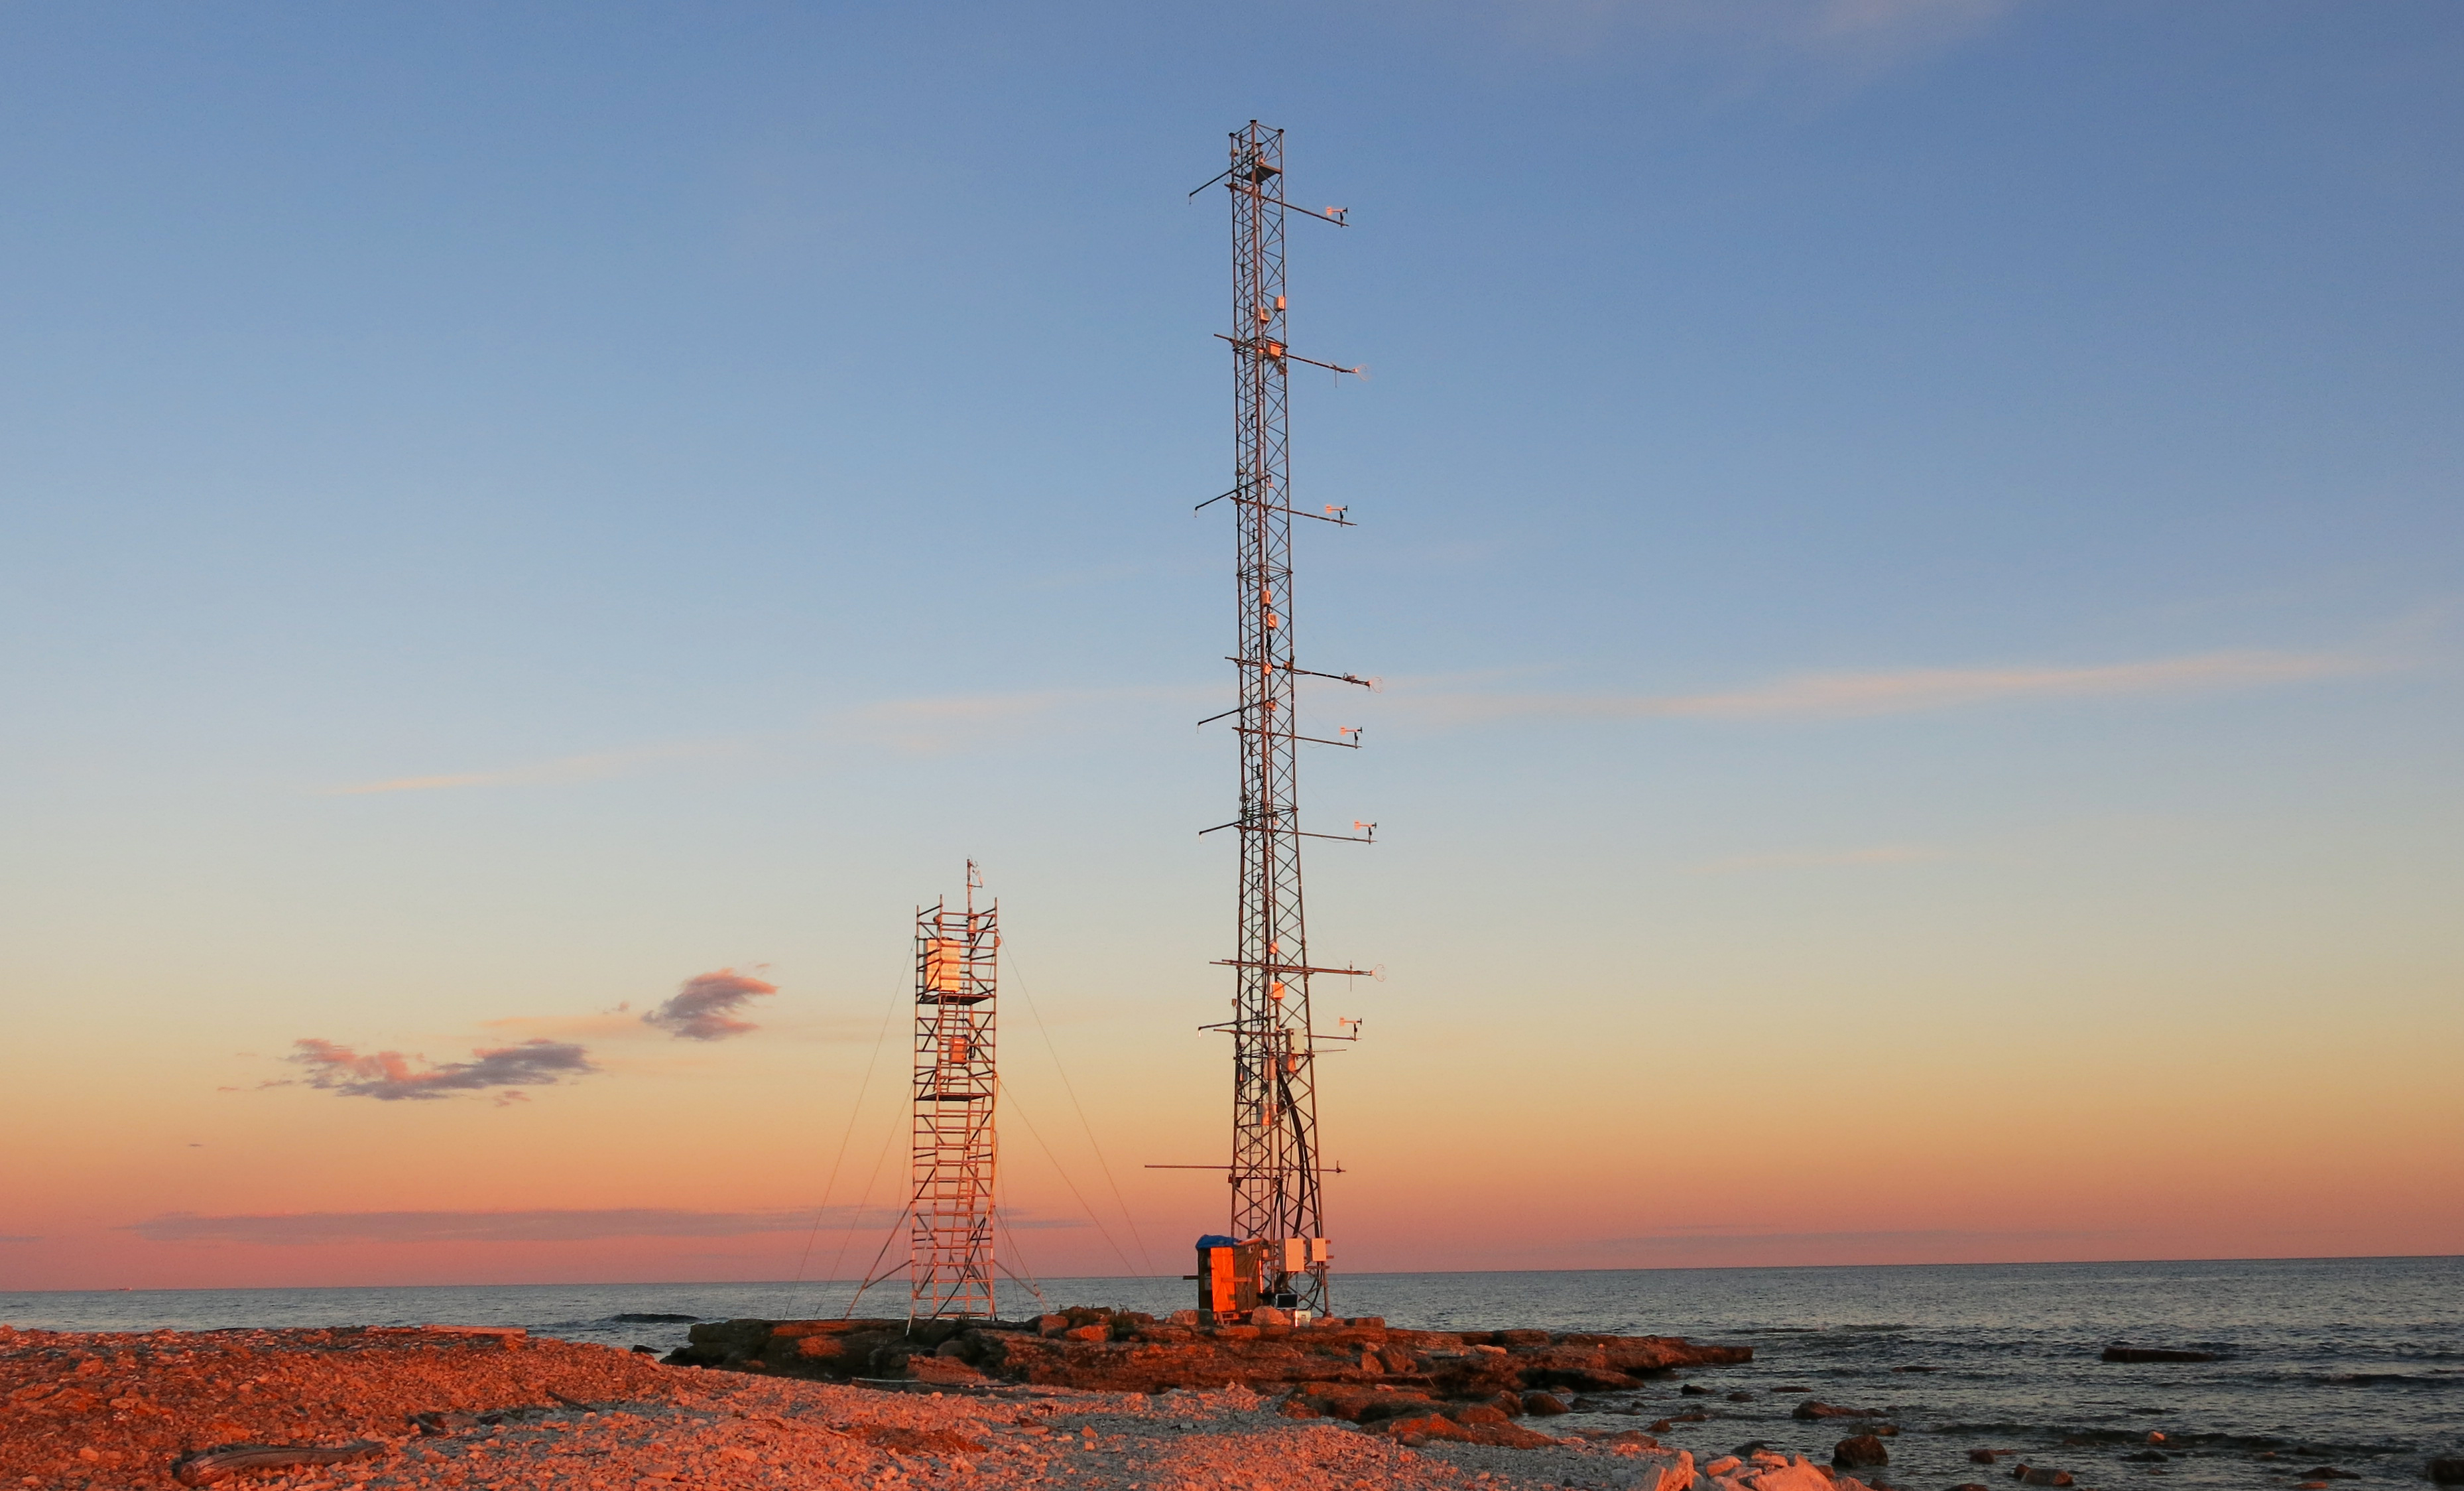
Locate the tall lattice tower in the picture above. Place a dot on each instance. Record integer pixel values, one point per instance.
(950, 1235)
(1276, 1162)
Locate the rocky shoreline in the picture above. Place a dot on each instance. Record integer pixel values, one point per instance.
(1346, 1406)
(1129, 1351)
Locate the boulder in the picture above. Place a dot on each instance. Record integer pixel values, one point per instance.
(1543, 1404)
(1695, 1391)
(1423, 1428)
(1862, 1449)
(1476, 1414)
(1797, 1473)
(2039, 1476)
(2446, 1472)
(1509, 1436)
(1815, 1408)
(951, 1370)
(2155, 1354)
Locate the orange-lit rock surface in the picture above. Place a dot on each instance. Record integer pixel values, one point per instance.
(1129, 1352)
(504, 1412)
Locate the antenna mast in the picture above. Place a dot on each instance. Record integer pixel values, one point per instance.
(1276, 1161)
(950, 1234)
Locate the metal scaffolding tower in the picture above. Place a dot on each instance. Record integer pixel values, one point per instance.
(950, 1235)
(1276, 1162)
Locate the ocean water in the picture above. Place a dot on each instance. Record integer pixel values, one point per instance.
(2354, 1362)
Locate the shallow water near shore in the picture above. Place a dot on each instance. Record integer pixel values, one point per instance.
(2355, 1363)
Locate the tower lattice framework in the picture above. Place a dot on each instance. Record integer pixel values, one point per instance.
(950, 1260)
(1276, 1161)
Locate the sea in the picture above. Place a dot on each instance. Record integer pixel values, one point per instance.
(2355, 1364)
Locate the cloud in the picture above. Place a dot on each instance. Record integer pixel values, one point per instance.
(297, 1229)
(1693, 1237)
(1818, 858)
(593, 766)
(18, 1238)
(1858, 39)
(293, 1229)
(705, 1008)
(935, 723)
(390, 1076)
(1836, 696)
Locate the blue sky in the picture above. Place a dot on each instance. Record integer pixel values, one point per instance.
(1919, 515)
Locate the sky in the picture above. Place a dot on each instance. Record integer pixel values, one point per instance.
(1911, 549)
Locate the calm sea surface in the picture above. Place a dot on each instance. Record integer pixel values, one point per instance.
(2355, 1363)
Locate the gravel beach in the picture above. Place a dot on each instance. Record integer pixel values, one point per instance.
(439, 1407)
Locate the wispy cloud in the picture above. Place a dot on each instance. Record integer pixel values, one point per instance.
(297, 1229)
(538, 1226)
(931, 724)
(1857, 37)
(390, 1077)
(19, 1238)
(592, 766)
(705, 1008)
(1818, 858)
(1680, 1239)
(1836, 696)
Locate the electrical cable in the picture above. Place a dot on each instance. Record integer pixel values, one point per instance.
(1072, 1089)
(1038, 1135)
(854, 1114)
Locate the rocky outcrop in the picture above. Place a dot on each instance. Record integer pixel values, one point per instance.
(1859, 1450)
(1119, 1350)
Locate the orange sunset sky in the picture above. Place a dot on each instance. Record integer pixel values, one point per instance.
(1911, 549)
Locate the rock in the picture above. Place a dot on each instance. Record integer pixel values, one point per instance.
(937, 1369)
(2148, 1456)
(2446, 1472)
(1741, 1397)
(1509, 1437)
(2155, 1354)
(1543, 1404)
(1695, 1391)
(1423, 1428)
(1859, 1450)
(1814, 1407)
(1396, 1405)
(1055, 1325)
(2039, 1476)
(1723, 1465)
(1475, 1414)
(1189, 1318)
(1982, 1456)
(1086, 1333)
(1797, 1473)
(1269, 1315)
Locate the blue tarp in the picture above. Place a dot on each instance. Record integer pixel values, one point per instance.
(1212, 1240)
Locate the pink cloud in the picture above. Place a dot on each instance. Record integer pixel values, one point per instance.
(390, 1077)
(705, 1008)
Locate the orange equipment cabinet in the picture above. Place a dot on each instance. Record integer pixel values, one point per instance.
(1227, 1277)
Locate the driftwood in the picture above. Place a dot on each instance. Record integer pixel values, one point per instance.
(204, 1467)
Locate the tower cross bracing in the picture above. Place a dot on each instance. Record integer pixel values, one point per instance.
(949, 1236)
